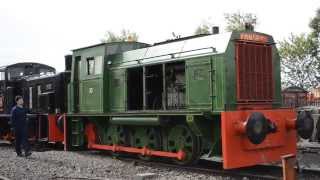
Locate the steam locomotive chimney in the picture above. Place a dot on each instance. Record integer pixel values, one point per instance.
(215, 30)
(249, 26)
(68, 62)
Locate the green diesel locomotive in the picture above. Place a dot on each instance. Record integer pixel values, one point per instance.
(211, 96)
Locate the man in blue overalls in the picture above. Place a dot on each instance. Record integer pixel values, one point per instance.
(19, 124)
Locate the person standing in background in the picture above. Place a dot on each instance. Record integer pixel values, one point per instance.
(19, 125)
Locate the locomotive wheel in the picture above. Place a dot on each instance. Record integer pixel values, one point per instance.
(118, 135)
(146, 137)
(181, 137)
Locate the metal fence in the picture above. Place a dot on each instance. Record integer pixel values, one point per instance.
(295, 104)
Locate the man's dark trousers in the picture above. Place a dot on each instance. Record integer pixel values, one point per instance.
(21, 135)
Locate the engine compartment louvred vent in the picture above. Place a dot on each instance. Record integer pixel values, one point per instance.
(254, 72)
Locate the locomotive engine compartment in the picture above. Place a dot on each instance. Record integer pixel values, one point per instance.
(164, 87)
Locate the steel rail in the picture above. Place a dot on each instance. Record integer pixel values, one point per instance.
(201, 169)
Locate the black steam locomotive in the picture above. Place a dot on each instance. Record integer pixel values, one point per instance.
(44, 95)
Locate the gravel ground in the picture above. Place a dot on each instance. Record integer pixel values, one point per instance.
(76, 165)
(95, 165)
(309, 154)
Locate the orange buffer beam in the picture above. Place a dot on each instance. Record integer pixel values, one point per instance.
(180, 155)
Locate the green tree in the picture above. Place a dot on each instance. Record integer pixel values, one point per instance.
(237, 21)
(299, 67)
(300, 55)
(315, 34)
(125, 35)
(202, 29)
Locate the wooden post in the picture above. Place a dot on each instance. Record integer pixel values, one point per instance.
(288, 167)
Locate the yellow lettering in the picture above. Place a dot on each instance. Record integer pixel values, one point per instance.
(253, 37)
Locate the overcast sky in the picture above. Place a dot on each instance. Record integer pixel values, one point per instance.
(45, 31)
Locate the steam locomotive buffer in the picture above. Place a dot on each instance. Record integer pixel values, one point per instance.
(211, 96)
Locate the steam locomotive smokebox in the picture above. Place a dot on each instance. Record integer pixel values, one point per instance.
(68, 62)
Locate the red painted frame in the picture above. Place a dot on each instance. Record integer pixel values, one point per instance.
(54, 134)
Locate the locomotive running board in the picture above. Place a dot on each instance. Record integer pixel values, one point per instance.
(91, 135)
(238, 151)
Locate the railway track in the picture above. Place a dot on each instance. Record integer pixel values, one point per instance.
(260, 172)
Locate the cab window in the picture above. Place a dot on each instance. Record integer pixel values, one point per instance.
(94, 65)
(2, 76)
(90, 66)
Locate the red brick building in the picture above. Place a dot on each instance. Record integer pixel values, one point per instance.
(294, 96)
